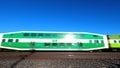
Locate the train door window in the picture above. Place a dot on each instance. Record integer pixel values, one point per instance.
(69, 44)
(47, 44)
(33, 34)
(62, 44)
(115, 41)
(32, 43)
(10, 40)
(3, 40)
(17, 40)
(79, 44)
(54, 44)
(26, 34)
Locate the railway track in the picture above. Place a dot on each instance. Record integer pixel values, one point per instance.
(59, 55)
(59, 60)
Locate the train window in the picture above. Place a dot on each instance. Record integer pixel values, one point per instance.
(26, 34)
(11, 34)
(47, 34)
(54, 44)
(40, 34)
(69, 44)
(61, 44)
(96, 41)
(33, 34)
(115, 41)
(3, 40)
(119, 41)
(32, 43)
(79, 44)
(54, 34)
(95, 36)
(90, 41)
(10, 40)
(102, 41)
(82, 35)
(17, 40)
(47, 44)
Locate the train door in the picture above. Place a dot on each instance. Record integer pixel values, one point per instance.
(32, 45)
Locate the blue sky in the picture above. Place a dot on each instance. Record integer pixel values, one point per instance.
(96, 16)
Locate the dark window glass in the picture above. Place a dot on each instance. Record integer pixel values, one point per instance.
(102, 41)
(32, 43)
(69, 44)
(95, 36)
(11, 34)
(96, 41)
(90, 41)
(3, 40)
(61, 44)
(26, 34)
(33, 34)
(40, 34)
(119, 41)
(79, 44)
(115, 41)
(47, 44)
(17, 40)
(54, 44)
(47, 34)
(10, 40)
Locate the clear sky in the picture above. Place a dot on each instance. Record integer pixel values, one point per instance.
(96, 16)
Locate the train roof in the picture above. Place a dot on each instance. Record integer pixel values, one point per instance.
(114, 36)
(50, 32)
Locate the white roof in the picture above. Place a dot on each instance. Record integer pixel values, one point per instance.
(50, 32)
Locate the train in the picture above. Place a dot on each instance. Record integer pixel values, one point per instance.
(58, 41)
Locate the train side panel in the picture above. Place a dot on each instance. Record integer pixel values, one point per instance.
(54, 41)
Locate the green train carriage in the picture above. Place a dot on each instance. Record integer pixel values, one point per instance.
(114, 41)
(53, 41)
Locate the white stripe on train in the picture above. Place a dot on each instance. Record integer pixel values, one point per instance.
(45, 49)
(56, 40)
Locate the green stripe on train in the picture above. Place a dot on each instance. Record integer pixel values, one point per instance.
(52, 36)
(115, 45)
